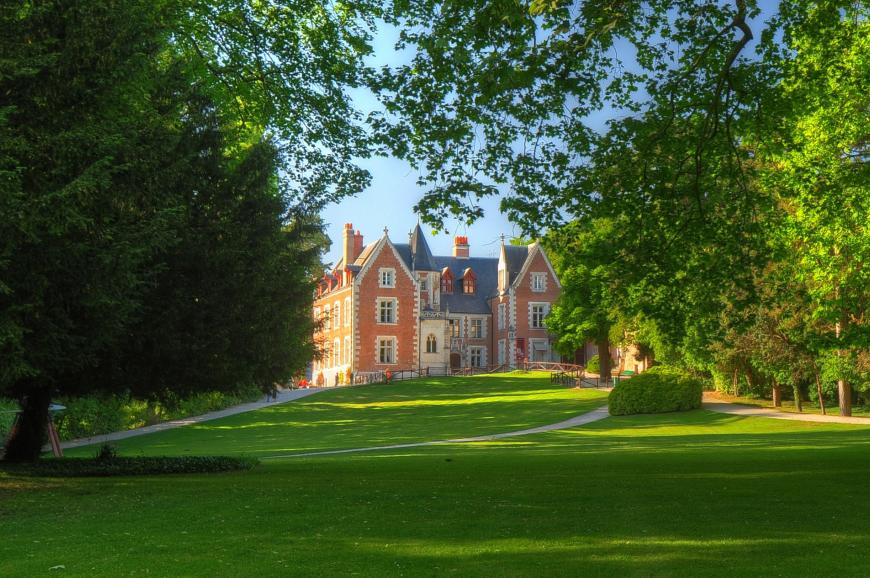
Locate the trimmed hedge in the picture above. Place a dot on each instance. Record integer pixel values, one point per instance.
(132, 466)
(657, 390)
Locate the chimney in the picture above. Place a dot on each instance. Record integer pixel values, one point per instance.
(357, 245)
(460, 247)
(348, 244)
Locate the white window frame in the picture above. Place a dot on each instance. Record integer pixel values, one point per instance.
(471, 323)
(387, 277)
(502, 351)
(327, 316)
(347, 311)
(395, 309)
(476, 351)
(393, 349)
(346, 351)
(545, 310)
(539, 282)
(336, 315)
(502, 315)
(336, 352)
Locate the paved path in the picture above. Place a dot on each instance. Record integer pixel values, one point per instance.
(594, 415)
(713, 403)
(283, 396)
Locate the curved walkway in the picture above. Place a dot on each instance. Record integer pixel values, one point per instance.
(715, 404)
(582, 419)
(283, 396)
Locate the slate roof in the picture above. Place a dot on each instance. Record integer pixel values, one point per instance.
(515, 256)
(486, 271)
(417, 256)
(421, 255)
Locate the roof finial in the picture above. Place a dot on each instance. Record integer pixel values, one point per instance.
(386, 231)
(502, 238)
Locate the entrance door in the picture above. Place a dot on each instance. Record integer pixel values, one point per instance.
(455, 361)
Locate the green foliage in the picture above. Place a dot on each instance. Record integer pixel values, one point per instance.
(107, 464)
(97, 414)
(594, 364)
(659, 389)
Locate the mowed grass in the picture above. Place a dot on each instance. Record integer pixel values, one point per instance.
(689, 494)
(376, 415)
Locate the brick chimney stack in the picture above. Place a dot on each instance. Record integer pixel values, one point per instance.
(460, 247)
(348, 244)
(357, 245)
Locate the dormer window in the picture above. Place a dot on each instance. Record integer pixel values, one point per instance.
(468, 282)
(446, 281)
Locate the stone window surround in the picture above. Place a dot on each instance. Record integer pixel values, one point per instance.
(394, 349)
(534, 276)
(392, 277)
(546, 311)
(381, 299)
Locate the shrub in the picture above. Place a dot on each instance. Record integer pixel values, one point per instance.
(594, 364)
(657, 390)
(92, 415)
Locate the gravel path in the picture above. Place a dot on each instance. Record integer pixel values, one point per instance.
(594, 415)
(715, 404)
(283, 396)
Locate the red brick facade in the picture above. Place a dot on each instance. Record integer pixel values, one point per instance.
(400, 307)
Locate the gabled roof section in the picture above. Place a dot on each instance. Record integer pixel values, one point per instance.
(421, 255)
(533, 250)
(515, 257)
(370, 255)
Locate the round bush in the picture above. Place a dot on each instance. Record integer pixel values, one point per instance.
(659, 389)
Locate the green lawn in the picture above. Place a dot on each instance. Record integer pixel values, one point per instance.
(691, 494)
(374, 415)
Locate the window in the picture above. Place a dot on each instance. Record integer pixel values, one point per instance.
(336, 315)
(386, 350)
(347, 312)
(501, 351)
(327, 315)
(387, 277)
(537, 312)
(475, 356)
(346, 352)
(317, 313)
(455, 327)
(424, 285)
(386, 310)
(539, 282)
(476, 329)
(336, 353)
(446, 282)
(502, 310)
(431, 344)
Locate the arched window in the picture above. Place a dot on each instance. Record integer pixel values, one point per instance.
(431, 344)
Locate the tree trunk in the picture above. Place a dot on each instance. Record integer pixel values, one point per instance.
(798, 403)
(819, 389)
(777, 394)
(604, 359)
(844, 389)
(734, 381)
(29, 435)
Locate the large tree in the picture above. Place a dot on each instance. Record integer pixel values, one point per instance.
(703, 102)
(101, 138)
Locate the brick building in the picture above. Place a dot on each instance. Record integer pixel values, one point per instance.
(397, 306)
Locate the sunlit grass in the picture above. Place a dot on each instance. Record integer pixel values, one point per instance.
(691, 494)
(377, 415)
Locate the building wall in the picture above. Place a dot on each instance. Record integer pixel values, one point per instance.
(328, 333)
(369, 330)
